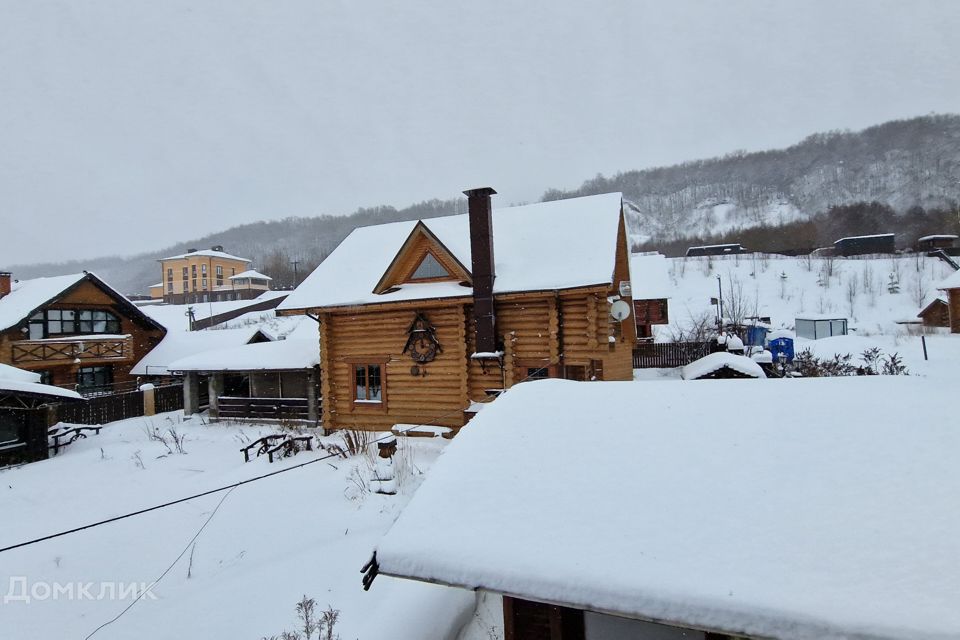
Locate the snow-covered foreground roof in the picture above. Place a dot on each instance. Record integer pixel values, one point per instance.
(13, 373)
(282, 355)
(28, 295)
(37, 389)
(206, 253)
(716, 361)
(649, 276)
(177, 345)
(833, 517)
(549, 245)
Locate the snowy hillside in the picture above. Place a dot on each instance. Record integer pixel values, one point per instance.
(900, 163)
(783, 288)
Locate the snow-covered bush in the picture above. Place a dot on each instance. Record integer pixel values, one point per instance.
(872, 362)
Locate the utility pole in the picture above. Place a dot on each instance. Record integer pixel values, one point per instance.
(720, 300)
(296, 279)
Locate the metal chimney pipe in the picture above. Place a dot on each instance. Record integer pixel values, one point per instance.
(483, 266)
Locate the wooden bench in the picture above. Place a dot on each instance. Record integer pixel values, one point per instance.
(262, 446)
(290, 446)
(73, 433)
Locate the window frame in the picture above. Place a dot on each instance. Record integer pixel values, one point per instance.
(365, 362)
(523, 367)
(430, 254)
(95, 371)
(77, 320)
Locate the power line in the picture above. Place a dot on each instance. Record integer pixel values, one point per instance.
(166, 571)
(212, 491)
(230, 487)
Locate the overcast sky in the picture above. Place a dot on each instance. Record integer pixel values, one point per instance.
(127, 125)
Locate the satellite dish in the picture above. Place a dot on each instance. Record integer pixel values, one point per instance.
(620, 310)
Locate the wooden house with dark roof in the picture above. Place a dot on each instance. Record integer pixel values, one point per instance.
(419, 322)
(73, 330)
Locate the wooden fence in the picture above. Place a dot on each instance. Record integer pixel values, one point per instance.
(651, 355)
(102, 409)
(168, 398)
(263, 408)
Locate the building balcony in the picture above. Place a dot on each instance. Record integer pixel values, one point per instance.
(92, 349)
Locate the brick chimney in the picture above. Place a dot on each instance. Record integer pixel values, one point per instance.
(484, 272)
(6, 283)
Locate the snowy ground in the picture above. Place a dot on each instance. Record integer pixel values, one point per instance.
(305, 532)
(786, 287)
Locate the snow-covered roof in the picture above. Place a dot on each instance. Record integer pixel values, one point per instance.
(951, 282)
(934, 300)
(206, 253)
(13, 373)
(37, 389)
(550, 245)
(867, 237)
(251, 273)
(27, 295)
(716, 361)
(177, 345)
(937, 236)
(282, 355)
(820, 316)
(794, 522)
(649, 276)
(174, 316)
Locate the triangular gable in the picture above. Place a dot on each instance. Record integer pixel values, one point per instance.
(422, 258)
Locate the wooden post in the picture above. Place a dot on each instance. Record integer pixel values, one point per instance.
(191, 393)
(149, 399)
(215, 386)
(313, 412)
(387, 448)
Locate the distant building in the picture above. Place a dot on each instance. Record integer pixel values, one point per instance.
(73, 330)
(715, 250)
(208, 275)
(650, 288)
(937, 313)
(938, 241)
(860, 245)
(952, 286)
(817, 327)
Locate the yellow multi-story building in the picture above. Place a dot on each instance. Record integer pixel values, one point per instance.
(208, 275)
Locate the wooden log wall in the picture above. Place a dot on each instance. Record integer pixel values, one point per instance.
(379, 337)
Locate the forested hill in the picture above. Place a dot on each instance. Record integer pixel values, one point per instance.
(900, 165)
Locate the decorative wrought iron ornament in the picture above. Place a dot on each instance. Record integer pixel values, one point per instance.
(422, 343)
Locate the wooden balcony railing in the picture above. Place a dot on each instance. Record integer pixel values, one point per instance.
(88, 350)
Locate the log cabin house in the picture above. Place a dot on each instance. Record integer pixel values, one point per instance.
(937, 313)
(73, 330)
(419, 321)
(951, 286)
